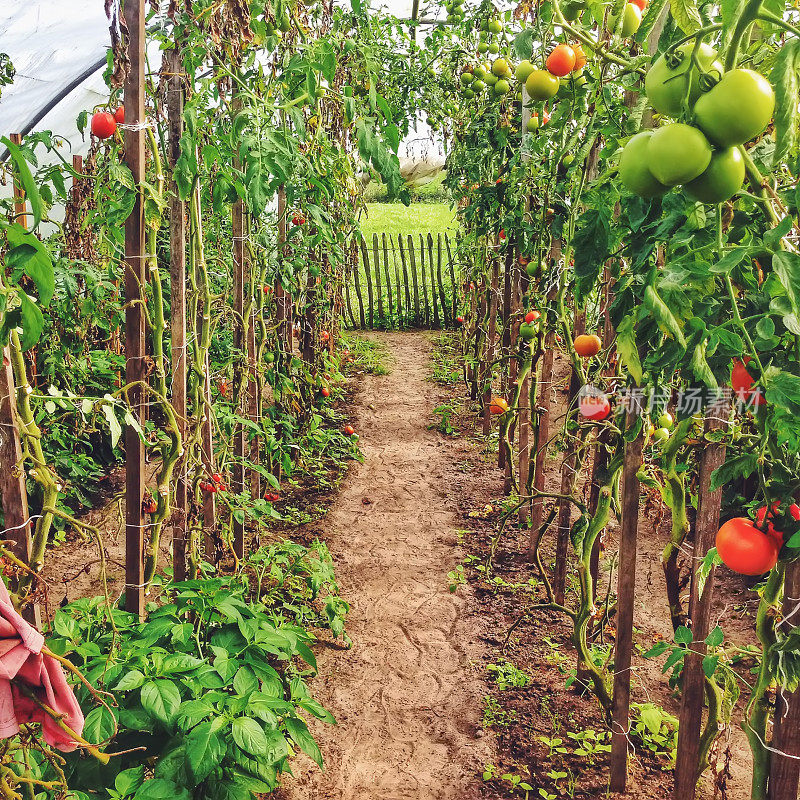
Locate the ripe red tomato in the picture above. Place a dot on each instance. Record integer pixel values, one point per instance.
(545, 120)
(641, 4)
(595, 407)
(216, 477)
(326, 392)
(745, 549)
(349, 430)
(149, 505)
(561, 60)
(460, 320)
(104, 126)
(272, 497)
(794, 511)
(532, 316)
(742, 383)
(502, 235)
(119, 115)
(324, 336)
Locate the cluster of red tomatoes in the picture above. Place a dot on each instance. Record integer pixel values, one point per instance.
(298, 219)
(104, 123)
(272, 497)
(214, 485)
(149, 504)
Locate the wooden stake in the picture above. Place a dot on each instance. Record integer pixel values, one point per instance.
(490, 337)
(177, 239)
(413, 263)
(625, 601)
(135, 281)
(784, 776)
(240, 387)
(693, 680)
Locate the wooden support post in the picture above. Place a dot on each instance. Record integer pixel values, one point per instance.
(432, 268)
(494, 291)
(177, 242)
(505, 349)
(241, 381)
(357, 286)
(424, 280)
(626, 589)
(447, 320)
(784, 775)
(453, 286)
(135, 282)
(687, 770)
(544, 403)
(254, 385)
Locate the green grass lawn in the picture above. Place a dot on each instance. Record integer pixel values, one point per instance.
(394, 218)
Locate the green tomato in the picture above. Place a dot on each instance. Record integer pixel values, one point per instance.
(541, 85)
(491, 79)
(269, 357)
(661, 434)
(677, 154)
(500, 67)
(524, 68)
(666, 421)
(533, 269)
(502, 87)
(631, 19)
(482, 47)
(723, 177)
(665, 85)
(527, 332)
(572, 10)
(494, 48)
(634, 171)
(467, 78)
(479, 86)
(495, 26)
(468, 93)
(532, 125)
(568, 159)
(737, 109)
(480, 72)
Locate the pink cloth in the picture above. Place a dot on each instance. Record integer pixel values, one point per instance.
(22, 663)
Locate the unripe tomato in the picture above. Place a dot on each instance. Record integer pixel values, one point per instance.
(634, 171)
(561, 60)
(532, 316)
(104, 126)
(665, 83)
(533, 269)
(661, 434)
(541, 85)
(677, 154)
(587, 345)
(523, 70)
(594, 407)
(119, 115)
(500, 67)
(527, 332)
(761, 514)
(745, 549)
(722, 178)
(737, 109)
(498, 405)
(502, 87)
(666, 421)
(495, 26)
(631, 20)
(532, 124)
(467, 78)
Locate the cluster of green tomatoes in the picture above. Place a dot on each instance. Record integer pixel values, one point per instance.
(724, 110)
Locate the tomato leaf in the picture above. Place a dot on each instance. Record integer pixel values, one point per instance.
(737, 467)
(785, 78)
(30, 256)
(787, 267)
(25, 178)
(782, 388)
(627, 349)
(591, 250)
(664, 318)
(686, 15)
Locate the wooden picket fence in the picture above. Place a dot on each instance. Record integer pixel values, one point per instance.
(407, 282)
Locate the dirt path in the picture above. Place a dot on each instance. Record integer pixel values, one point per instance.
(406, 696)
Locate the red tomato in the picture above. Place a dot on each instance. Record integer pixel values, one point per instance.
(149, 505)
(324, 336)
(272, 497)
(532, 316)
(640, 4)
(587, 345)
(119, 115)
(502, 235)
(349, 430)
(524, 261)
(561, 60)
(460, 320)
(742, 383)
(326, 392)
(594, 407)
(545, 119)
(104, 125)
(216, 477)
(745, 549)
(794, 511)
